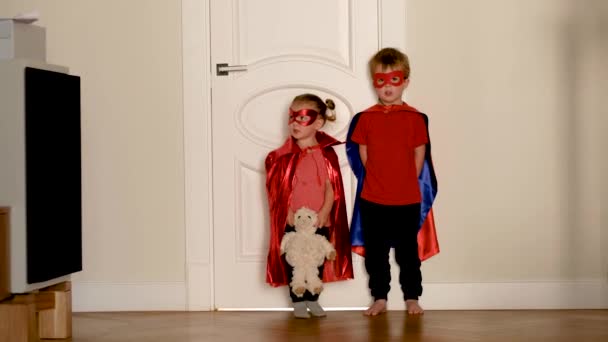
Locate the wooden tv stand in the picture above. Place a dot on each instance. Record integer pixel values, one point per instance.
(29, 317)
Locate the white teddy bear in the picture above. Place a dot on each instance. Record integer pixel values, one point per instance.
(306, 251)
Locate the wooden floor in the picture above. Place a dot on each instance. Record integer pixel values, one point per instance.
(343, 326)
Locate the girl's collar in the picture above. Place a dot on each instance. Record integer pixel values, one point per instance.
(311, 149)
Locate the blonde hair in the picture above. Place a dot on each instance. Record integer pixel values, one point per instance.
(390, 57)
(326, 108)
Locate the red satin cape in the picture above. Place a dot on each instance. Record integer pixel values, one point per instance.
(280, 169)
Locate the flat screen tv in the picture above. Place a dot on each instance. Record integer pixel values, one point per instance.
(40, 172)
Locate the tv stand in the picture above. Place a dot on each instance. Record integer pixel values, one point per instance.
(45, 313)
(42, 314)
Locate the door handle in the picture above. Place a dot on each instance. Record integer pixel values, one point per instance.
(222, 69)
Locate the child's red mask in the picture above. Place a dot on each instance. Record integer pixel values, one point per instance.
(303, 117)
(394, 78)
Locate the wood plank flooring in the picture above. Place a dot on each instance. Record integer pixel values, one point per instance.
(343, 326)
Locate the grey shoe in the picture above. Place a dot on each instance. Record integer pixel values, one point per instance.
(299, 310)
(315, 309)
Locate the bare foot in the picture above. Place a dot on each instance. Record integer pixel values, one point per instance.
(413, 308)
(379, 307)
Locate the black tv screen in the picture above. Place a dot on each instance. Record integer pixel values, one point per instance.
(53, 174)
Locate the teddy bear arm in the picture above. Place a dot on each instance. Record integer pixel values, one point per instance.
(330, 251)
(285, 241)
(326, 246)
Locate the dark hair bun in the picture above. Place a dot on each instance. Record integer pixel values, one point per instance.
(330, 114)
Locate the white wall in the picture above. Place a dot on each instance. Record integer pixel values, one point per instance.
(128, 54)
(511, 90)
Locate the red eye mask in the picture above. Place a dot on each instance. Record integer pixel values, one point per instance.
(394, 78)
(303, 117)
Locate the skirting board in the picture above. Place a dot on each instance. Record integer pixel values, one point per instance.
(136, 296)
(171, 296)
(592, 294)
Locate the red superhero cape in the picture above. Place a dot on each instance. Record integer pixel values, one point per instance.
(280, 169)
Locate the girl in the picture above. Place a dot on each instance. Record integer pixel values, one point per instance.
(305, 171)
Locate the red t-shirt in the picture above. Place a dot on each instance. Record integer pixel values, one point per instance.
(308, 187)
(390, 170)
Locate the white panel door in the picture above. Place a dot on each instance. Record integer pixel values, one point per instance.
(288, 47)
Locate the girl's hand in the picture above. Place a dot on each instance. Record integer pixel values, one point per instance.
(322, 219)
(290, 218)
(323, 214)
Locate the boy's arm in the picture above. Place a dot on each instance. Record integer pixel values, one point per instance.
(328, 203)
(363, 154)
(419, 158)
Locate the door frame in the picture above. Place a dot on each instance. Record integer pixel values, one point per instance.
(196, 78)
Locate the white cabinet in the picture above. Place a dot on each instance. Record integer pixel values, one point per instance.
(40, 171)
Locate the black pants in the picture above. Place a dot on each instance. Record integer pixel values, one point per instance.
(397, 226)
(308, 296)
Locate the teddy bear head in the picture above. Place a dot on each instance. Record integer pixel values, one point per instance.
(304, 220)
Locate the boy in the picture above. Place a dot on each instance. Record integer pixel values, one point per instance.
(388, 149)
